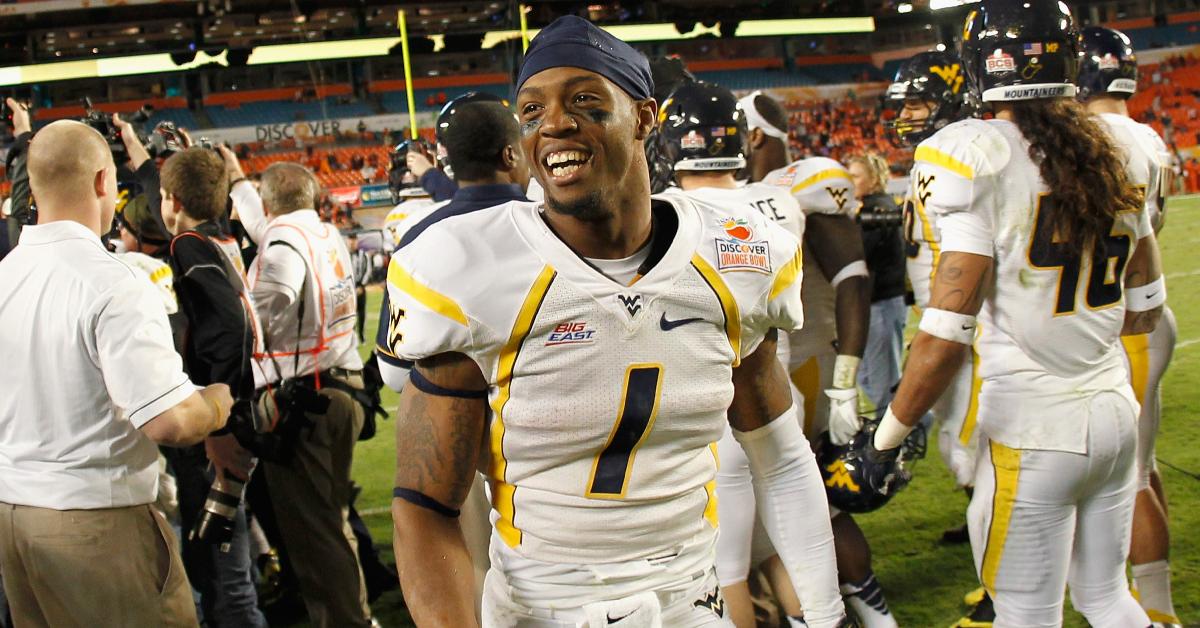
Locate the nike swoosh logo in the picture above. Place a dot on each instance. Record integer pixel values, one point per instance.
(613, 620)
(1151, 295)
(968, 327)
(668, 325)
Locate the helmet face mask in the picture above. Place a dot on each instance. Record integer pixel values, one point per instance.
(1020, 50)
(702, 128)
(937, 79)
(1108, 66)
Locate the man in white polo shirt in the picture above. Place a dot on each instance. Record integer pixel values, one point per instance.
(99, 384)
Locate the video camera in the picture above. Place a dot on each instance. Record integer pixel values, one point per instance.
(399, 177)
(103, 124)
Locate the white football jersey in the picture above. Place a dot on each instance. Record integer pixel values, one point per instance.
(821, 186)
(771, 201)
(1147, 160)
(607, 400)
(404, 215)
(924, 244)
(1050, 322)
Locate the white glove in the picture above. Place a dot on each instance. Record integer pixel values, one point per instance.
(844, 421)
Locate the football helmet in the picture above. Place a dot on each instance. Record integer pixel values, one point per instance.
(668, 73)
(937, 78)
(454, 106)
(701, 127)
(1020, 50)
(842, 469)
(1109, 65)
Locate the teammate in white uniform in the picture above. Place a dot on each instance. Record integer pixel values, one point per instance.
(1057, 258)
(1107, 78)
(702, 138)
(930, 92)
(588, 361)
(825, 354)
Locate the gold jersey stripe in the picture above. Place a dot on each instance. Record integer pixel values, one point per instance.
(1137, 348)
(788, 274)
(733, 318)
(823, 175)
(425, 295)
(1006, 463)
(936, 157)
(503, 493)
(968, 426)
(710, 487)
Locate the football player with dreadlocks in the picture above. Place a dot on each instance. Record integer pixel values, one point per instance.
(1107, 79)
(1046, 249)
(702, 139)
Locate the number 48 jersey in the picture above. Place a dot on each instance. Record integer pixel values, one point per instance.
(607, 399)
(1051, 318)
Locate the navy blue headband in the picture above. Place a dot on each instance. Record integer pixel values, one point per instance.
(572, 41)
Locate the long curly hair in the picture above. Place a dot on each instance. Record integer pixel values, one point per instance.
(1082, 167)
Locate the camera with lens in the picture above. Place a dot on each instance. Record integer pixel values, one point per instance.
(399, 177)
(216, 521)
(103, 124)
(165, 140)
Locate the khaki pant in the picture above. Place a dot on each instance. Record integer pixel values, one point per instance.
(117, 567)
(311, 499)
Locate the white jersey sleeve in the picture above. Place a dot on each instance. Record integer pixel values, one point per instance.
(1145, 157)
(950, 183)
(761, 263)
(819, 184)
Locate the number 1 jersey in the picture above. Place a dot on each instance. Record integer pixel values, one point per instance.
(1051, 318)
(606, 399)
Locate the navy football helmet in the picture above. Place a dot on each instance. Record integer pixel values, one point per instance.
(701, 127)
(1020, 50)
(937, 78)
(842, 469)
(1109, 65)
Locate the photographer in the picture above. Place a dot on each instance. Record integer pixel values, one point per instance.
(219, 346)
(303, 288)
(884, 247)
(80, 542)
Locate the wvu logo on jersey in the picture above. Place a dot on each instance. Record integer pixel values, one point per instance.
(713, 602)
(395, 315)
(840, 196)
(951, 74)
(923, 184)
(839, 477)
(570, 334)
(632, 303)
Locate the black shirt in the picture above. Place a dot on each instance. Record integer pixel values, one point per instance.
(884, 249)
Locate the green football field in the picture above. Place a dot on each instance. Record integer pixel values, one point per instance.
(924, 580)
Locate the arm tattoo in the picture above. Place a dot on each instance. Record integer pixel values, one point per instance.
(437, 444)
(956, 289)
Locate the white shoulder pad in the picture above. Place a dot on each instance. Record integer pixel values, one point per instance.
(819, 184)
(442, 286)
(947, 165)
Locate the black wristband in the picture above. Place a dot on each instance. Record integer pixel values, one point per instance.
(417, 498)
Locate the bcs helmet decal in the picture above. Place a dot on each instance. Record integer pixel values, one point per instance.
(699, 129)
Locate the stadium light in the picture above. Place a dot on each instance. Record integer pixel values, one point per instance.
(904, 7)
(748, 28)
(937, 5)
(379, 47)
